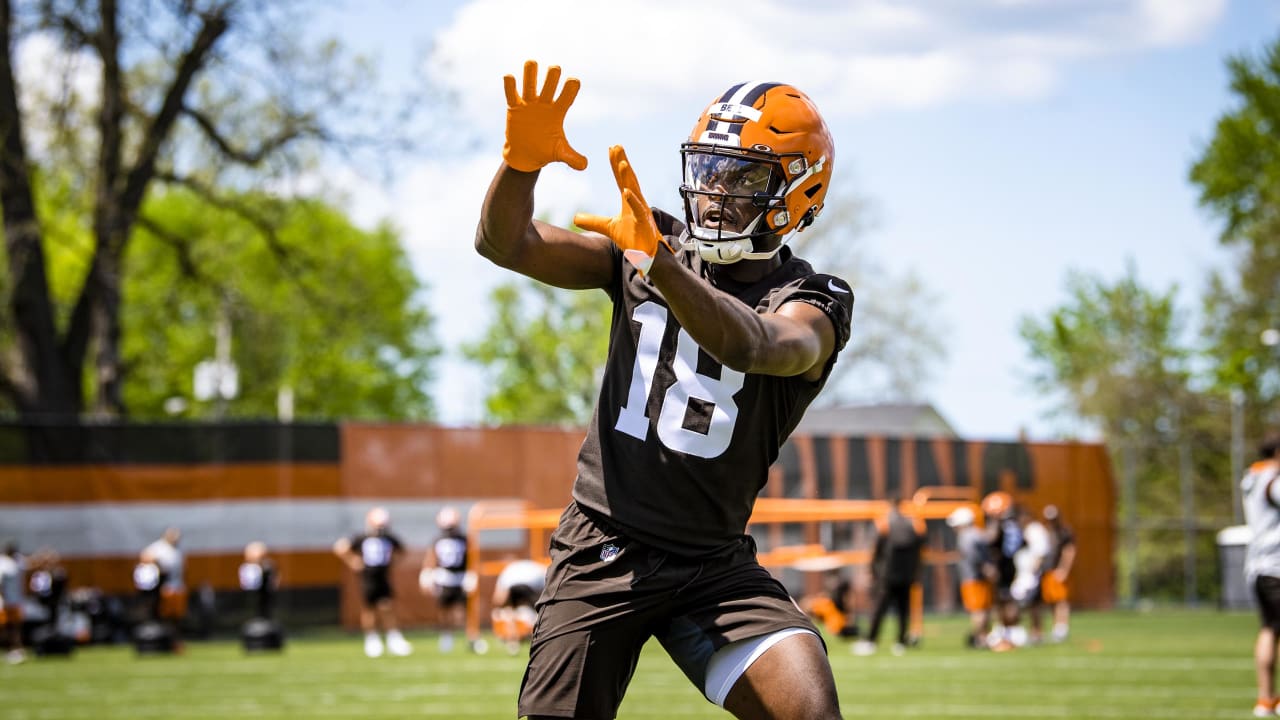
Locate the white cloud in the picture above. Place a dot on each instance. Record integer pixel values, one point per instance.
(853, 58)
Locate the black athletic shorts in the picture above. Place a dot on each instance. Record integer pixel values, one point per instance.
(374, 587)
(1267, 590)
(606, 595)
(450, 595)
(522, 595)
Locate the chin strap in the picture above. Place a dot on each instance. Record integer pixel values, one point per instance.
(727, 252)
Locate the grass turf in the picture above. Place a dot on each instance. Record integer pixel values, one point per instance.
(1116, 665)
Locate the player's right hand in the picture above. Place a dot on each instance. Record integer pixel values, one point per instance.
(535, 121)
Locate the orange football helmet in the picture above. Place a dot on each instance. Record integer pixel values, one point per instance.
(765, 146)
(997, 503)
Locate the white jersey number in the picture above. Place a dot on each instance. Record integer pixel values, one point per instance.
(689, 385)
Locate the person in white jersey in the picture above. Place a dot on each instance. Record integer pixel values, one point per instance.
(515, 593)
(1261, 493)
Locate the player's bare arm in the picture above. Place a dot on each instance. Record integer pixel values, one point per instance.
(507, 234)
(795, 340)
(342, 548)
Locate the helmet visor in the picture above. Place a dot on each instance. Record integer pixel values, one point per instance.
(733, 176)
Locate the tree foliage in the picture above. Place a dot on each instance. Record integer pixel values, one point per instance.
(544, 350)
(214, 96)
(1238, 175)
(331, 312)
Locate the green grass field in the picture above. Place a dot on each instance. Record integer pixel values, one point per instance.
(1121, 665)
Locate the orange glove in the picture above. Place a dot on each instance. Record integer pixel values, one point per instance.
(633, 229)
(535, 122)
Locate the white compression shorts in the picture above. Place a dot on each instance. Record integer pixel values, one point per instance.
(729, 662)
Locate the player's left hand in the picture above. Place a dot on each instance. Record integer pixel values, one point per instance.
(632, 229)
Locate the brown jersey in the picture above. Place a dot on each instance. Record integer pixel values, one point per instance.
(679, 445)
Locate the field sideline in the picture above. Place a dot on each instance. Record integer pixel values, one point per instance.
(1119, 665)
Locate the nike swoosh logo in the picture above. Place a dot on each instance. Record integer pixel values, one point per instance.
(831, 285)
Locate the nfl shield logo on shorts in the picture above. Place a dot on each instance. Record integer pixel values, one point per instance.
(609, 552)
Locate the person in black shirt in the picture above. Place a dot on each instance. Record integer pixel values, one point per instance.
(895, 566)
(1062, 557)
(372, 554)
(720, 339)
(258, 577)
(444, 575)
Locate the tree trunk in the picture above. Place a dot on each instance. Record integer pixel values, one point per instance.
(40, 380)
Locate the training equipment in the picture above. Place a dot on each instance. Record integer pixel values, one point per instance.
(764, 145)
(152, 637)
(46, 640)
(261, 634)
(535, 121)
(633, 229)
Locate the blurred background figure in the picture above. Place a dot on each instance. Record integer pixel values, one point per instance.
(371, 554)
(835, 606)
(56, 631)
(259, 578)
(146, 580)
(1029, 563)
(168, 558)
(1062, 555)
(48, 584)
(1004, 537)
(12, 599)
(444, 575)
(515, 592)
(976, 575)
(1261, 496)
(895, 566)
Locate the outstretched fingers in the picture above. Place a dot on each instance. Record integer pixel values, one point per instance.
(549, 86)
(530, 88)
(570, 93)
(623, 173)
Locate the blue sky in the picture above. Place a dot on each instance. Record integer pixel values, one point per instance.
(999, 143)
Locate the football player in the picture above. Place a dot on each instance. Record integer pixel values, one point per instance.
(444, 575)
(1261, 495)
(976, 573)
(720, 339)
(168, 557)
(1005, 537)
(11, 601)
(372, 554)
(515, 593)
(1062, 556)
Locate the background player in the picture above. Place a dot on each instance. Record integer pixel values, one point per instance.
(976, 574)
(719, 341)
(1055, 587)
(372, 554)
(444, 575)
(1261, 494)
(169, 559)
(515, 593)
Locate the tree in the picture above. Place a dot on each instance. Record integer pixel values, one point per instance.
(1113, 351)
(544, 349)
(210, 95)
(338, 319)
(1238, 174)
